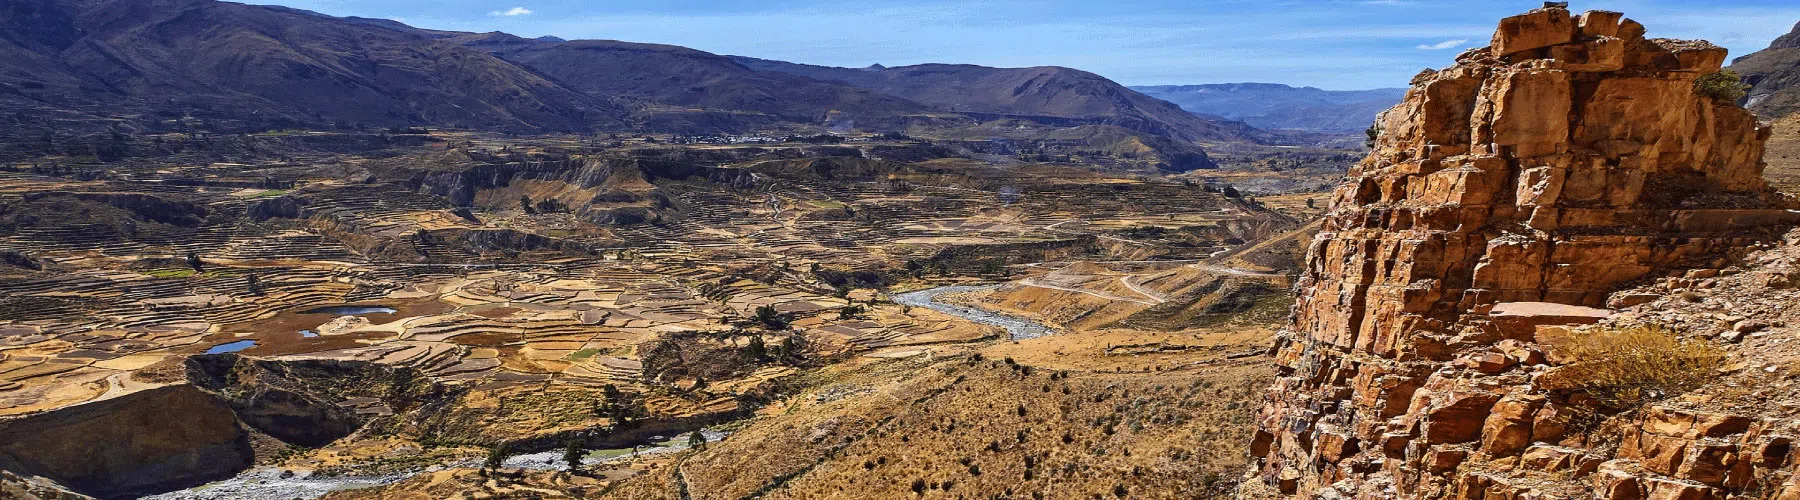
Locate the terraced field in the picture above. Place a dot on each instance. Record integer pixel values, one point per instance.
(519, 294)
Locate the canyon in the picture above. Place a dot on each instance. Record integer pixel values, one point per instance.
(1562, 266)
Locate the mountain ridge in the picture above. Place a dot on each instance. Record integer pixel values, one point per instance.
(233, 62)
(1773, 75)
(1052, 91)
(189, 65)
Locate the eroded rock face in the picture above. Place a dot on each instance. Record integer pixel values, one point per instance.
(144, 442)
(1567, 159)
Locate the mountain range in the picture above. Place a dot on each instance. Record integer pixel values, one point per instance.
(163, 65)
(1046, 91)
(154, 61)
(1281, 107)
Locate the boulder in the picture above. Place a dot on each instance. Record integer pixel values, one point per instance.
(1520, 320)
(1533, 30)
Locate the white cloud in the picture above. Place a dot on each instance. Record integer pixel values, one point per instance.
(1446, 44)
(515, 11)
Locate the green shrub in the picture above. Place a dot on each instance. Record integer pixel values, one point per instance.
(1725, 86)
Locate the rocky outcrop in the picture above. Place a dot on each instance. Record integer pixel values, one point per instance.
(1520, 187)
(16, 487)
(140, 206)
(144, 442)
(462, 186)
(201, 430)
(308, 402)
(279, 207)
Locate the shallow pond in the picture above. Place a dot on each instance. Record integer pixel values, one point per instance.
(231, 347)
(350, 310)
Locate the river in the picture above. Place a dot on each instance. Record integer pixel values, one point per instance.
(1016, 328)
(276, 482)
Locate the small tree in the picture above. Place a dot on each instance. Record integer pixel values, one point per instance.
(990, 267)
(496, 457)
(769, 317)
(525, 204)
(193, 260)
(851, 312)
(572, 454)
(790, 346)
(253, 284)
(619, 407)
(699, 384)
(914, 268)
(757, 350)
(697, 441)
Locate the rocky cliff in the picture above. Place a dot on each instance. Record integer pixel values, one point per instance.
(1520, 187)
(144, 442)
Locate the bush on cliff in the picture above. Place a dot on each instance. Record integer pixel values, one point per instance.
(1627, 367)
(1724, 86)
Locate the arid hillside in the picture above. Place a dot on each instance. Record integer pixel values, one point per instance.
(1783, 154)
(236, 66)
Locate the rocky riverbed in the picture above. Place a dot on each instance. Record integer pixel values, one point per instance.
(1016, 328)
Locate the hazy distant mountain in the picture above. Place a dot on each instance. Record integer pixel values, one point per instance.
(1276, 106)
(1774, 76)
(1047, 91)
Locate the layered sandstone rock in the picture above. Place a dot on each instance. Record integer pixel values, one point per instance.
(1530, 180)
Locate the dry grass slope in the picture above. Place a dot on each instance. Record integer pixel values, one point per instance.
(963, 427)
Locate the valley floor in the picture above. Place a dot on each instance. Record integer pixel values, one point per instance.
(445, 321)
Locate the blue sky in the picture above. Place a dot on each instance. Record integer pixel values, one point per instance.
(1332, 44)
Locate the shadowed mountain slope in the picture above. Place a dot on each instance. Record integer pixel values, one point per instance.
(260, 66)
(1774, 76)
(1046, 91)
(93, 67)
(683, 77)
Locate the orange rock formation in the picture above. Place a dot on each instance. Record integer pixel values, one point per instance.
(1535, 176)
